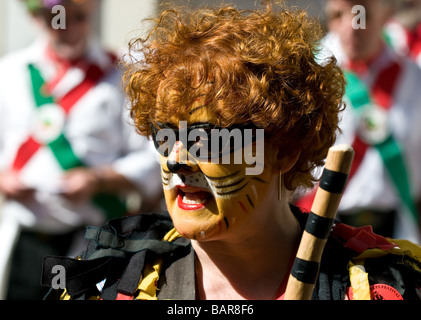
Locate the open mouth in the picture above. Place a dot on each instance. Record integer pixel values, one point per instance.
(191, 198)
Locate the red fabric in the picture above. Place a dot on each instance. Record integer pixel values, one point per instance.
(414, 41)
(385, 85)
(25, 152)
(93, 74)
(121, 296)
(306, 201)
(63, 65)
(360, 148)
(361, 238)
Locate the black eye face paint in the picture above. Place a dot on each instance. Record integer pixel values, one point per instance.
(204, 140)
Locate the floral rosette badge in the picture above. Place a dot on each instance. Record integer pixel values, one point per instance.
(49, 122)
(374, 126)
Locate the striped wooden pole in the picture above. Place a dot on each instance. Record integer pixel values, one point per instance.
(306, 266)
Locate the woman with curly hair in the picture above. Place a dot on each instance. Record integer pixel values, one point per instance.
(223, 68)
(230, 234)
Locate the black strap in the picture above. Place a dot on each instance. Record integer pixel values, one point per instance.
(80, 275)
(132, 274)
(117, 252)
(112, 245)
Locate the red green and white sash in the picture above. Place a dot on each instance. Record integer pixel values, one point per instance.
(50, 120)
(373, 108)
(49, 131)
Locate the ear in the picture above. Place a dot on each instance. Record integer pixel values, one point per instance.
(287, 161)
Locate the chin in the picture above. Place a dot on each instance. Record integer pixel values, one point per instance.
(196, 222)
(197, 228)
(358, 54)
(70, 51)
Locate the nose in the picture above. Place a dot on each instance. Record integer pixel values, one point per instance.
(178, 160)
(174, 166)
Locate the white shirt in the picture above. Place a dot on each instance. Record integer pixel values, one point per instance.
(98, 128)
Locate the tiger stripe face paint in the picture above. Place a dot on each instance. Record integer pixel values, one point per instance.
(207, 142)
(207, 200)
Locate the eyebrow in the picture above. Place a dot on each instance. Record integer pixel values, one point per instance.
(195, 125)
(197, 108)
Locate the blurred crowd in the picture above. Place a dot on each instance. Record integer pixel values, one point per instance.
(70, 156)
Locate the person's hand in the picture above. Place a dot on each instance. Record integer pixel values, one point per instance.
(13, 188)
(79, 184)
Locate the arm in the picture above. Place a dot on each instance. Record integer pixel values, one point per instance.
(11, 187)
(137, 169)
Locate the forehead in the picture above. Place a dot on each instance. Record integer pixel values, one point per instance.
(81, 6)
(193, 107)
(348, 4)
(72, 9)
(69, 4)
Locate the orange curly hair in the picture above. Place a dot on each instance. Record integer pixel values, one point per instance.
(262, 69)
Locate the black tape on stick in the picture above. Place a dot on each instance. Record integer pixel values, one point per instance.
(318, 226)
(333, 181)
(305, 271)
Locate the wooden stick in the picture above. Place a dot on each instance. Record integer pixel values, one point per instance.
(305, 270)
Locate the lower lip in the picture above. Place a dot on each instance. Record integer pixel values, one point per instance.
(189, 206)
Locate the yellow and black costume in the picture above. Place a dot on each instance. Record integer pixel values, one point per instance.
(143, 257)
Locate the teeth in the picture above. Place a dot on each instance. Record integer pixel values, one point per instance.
(195, 201)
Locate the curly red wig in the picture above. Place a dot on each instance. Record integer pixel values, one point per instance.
(261, 68)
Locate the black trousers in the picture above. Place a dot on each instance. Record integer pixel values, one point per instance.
(26, 267)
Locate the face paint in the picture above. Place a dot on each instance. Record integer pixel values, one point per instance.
(209, 200)
(253, 188)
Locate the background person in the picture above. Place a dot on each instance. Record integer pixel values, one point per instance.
(380, 122)
(68, 153)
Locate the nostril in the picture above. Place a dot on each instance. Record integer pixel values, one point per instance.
(174, 166)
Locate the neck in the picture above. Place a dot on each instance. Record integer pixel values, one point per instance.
(361, 65)
(252, 267)
(61, 59)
